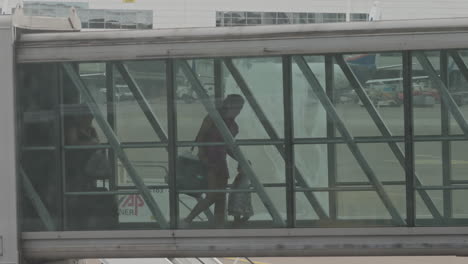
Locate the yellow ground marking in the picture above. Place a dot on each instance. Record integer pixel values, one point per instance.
(246, 261)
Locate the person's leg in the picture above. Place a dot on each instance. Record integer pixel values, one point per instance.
(220, 202)
(204, 204)
(201, 206)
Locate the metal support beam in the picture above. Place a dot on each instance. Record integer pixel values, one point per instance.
(270, 130)
(331, 133)
(230, 141)
(36, 201)
(218, 81)
(445, 132)
(410, 177)
(460, 63)
(111, 119)
(172, 147)
(288, 155)
(140, 98)
(113, 140)
(445, 95)
(383, 128)
(352, 145)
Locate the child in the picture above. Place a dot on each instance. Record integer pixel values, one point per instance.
(240, 203)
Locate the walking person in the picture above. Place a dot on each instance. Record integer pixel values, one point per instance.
(214, 158)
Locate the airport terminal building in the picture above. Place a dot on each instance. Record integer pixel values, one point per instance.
(312, 133)
(129, 14)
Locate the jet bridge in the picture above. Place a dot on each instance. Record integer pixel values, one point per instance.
(327, 176)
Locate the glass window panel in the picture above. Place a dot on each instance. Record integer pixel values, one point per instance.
(253, 22)
(132, 124)
(40, 168)
(458, 87)
(360, 206)
(129, 19)
(359, 17)
(93, 75)
(460, 209)
(38, 104)
(284, 21)
(190, 111)
(227, 19)
(113, 19)
(426, 103)
(459, 161)
(428, 162)
(269, 18)
(254, 15)
(312, 163)
(341, 17)
(97, 15)
(423, 215)
(381, 77)
(239, 18)
(83, 14)
(305, 213)
(152, 166)
(62, 12)
(310, 119)
(351, 111)
(368, 206)
(145, 17)
(314, 18)
(267, 92)
(385, 168)
(300, 18)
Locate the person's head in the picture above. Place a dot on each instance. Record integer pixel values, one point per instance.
(85, 120)
(232, 105)
(82, 116)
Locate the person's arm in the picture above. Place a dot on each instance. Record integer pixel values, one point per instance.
(234, 129)
(71, 136)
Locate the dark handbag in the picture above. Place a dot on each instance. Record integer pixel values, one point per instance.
(190, 174)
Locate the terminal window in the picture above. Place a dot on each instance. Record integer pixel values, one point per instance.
(237, 18)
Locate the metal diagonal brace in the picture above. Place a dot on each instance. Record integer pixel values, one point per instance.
(37, 203)
(353, 147)
(147, 110)
(444, 92)
(272, 134)
(460, 63)
(230, 141)
(140, 98)
(114, 142)
(383, 128)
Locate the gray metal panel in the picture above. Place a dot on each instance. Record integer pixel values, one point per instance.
(248, 41)
(8, 191)
(261, 242)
